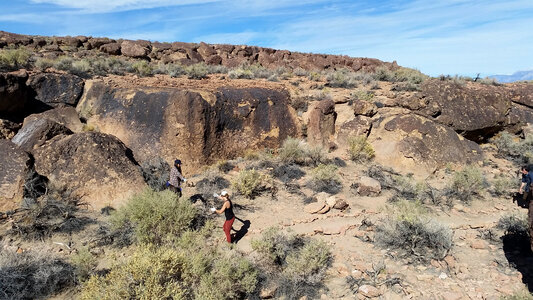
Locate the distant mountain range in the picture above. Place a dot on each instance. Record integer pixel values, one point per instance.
(517, 76)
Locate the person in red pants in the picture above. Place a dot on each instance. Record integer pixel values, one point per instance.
(227, 209)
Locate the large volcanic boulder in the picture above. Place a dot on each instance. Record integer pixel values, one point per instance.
(477, 111)
(136, 49)
(414, 143)
(36, 132)
(96, 167)
(56, 90)
(14, 168)
(321, 125)
(66, 116)
(170, 123)
(15, 96)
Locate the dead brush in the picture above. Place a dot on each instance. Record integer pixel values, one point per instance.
(376, 277)
(56, 211)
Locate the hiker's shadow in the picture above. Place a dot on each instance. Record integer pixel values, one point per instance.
(239, 234)
(518, 198)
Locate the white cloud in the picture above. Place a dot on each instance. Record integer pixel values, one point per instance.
(102, 6)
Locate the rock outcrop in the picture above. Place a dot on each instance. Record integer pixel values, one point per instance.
(321, 125)
(96, 167)
(14, 168)
(66, 116)
(477, 111)
(411, 142)
(172, 123)
(36, 132)
(189, 53)
(56, 90)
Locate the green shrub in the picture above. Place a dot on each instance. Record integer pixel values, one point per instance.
(43, 63)
(293, 262)
(151, 273)
(217, 69)
(110, 65)
(467, 183)
(502, 185)
(364, 77)
(33, 275)
(241, 74)
(362, 95)
(513, 148)
(514, 224)
(247, 71)
(383, 73)
(342, 78)
(292, 151)
(197, 71)
(324, 178)
(309, 263)
(84, 263)
(249, 182)
(412, 76)
(64, 63)
(359, 149)
(156, 216)
(142, 68)
(417, 237)
(314, 76)
(14, 59)
(192, 269)
(297, 151)
(300, 72)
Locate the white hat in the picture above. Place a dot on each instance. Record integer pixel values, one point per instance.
(224, 193)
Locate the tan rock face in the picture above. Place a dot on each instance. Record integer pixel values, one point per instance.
(321, 126)
(134, 49)
(173, 123)
(96, 167)
(14, 166)
(410, 142)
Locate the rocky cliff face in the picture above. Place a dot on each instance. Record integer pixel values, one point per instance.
(173, 123)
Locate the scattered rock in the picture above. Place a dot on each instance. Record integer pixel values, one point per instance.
(268, 292)
(314, 207)
(324, 210)
(478, 244)
(367, 186)
(369, 291)
(450, 261)
(452, 296)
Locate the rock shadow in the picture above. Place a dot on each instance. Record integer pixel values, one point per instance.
(518, 253)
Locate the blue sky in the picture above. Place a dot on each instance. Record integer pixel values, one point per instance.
(436, 37)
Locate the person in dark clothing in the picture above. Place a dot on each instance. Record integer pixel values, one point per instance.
(176, 177)
(525, 186)
(227, 209)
